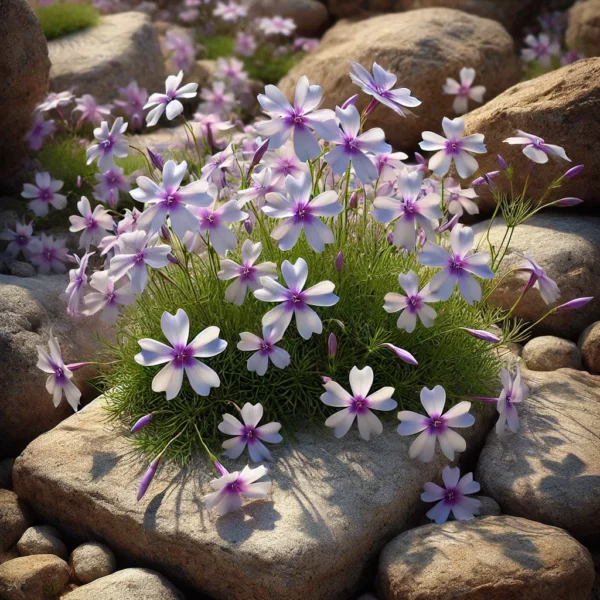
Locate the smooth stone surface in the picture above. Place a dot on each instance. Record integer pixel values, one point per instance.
(128, 584)
(548, 353)
(39, 577)
(562, 107)
(14, 519)
(92, 561)
(422, 48)
(549, 471)
(28, 309)
(496, 558)
(568, 249)
(589, 344)
(42, 539)
(24, 68)
(333, 506)
(489, 507)
(583, 32)
(122, 48)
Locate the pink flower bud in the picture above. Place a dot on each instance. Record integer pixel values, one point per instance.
(350, 102)
(220, 468)
(165, 234)
(248, 226)
(449, 225)
(371, 106)
(569, 201)
(79, 181)
(353, 202)
(147, 478)
(326, 379)
(390, 238)
(141, 423)
(339, 262)
(76, 366)
(403, 355)
(573, 172)
(260, 152)
(156, 159)
(331, 345)
(503, 164)
(172, 258)
(576, 303)
(480, 334)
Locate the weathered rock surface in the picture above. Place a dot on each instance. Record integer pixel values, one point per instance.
(332, 508)
(129, 584)
(92, 561)
(42, 539)
(489, 507)
(14, 519)
(97, 61)
(493, 558)
(568, 249)
(28, 309)
(562, 107)
(589, 344)
(423, 48)
(583, 32)
(311, 17)
(549, 471)
(24, 68)
(39, 577)
(548, 353)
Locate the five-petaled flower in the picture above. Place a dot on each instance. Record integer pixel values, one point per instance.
(464, 91)
(77, 283)
(541, 48)
(93, 225)
(19, 239)
(107, 297)
(110, 144)
(514, 391)
(536, 148)
(264, 350)
(43, 194)
(169, 102)
(547, 287)
(459, 200)
(48, 254)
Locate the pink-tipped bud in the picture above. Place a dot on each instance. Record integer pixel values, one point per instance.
(331, 345)
(147, 478)
(79, 181)
(339, 262)
(480, 334)
(574, 304)
(325, 379)
(77, 366)
(248, 226)
(420, 159)
(350, 102)
(112, 200)
(573, 172)
(260, 152)
(478, 182)
(422, 238)
(371, 106)
(503, 164)
(486, 399)
(353, 202)
(449, 225)
(403, 355)
(390, 238)
(141, 423)
(165, 234)
(172, 258)
(156, 159)
(220, 468)
(569, 201)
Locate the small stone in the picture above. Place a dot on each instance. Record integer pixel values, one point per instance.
(18, 268)
(39, 577)
(548, 353)
(589, 344)
(13, 519)
(489, 507)
(583, 32)
(6, 467)
(42, 539)
(92, 561)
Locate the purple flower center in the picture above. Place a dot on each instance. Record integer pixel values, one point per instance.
(48, 254)
(247, 273)
(266, 348)
(436, 424)
(453, 147)
(139, 257)
(183, 356)
(302, 212)
(249, 434)
(414, 303)
(359, 405)
(295, 300)
(108, 144)
(171, 96)
(22, 240)
(463, 90)
(110, 297)
(456, 265)
(452, 496)
(46, 194)
(350, 144)
(235, 487)
(171, 199)
(90, 222)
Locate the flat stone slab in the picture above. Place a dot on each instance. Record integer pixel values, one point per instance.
(334, 505)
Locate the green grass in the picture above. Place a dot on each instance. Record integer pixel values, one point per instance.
(447, 356)
(59, 20)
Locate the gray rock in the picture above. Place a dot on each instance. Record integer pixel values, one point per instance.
(28, 309)
(14, 519)
(589, 344)
(583, 32)
(6, 467)
(96, 61)
(42, 539)
(39, 577)
(333, 506)
(24, 66)
(92, 561)
(569, 251)
(489, 507)
(492, 558)
(129, 584)
(548, 353)
(549, 471)
(18, 268)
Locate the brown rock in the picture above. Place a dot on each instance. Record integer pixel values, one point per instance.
(42, 539)
(311, 17)
(24, 68)
(562, 107)
(13, 519)
(548, 353)
(39, 577)
(421, 47)
(495, 558)
(589, 344)
(92, 561)
(583, 32)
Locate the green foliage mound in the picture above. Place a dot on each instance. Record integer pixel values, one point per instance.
(61, 19)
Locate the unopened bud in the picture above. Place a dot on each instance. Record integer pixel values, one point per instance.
(339, 262)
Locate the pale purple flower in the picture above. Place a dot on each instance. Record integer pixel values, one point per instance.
(111, 144)
(181, 356)
(231, 487)
(459, 200)
(245, 44)
(217, 165)
(43, 194)
(387, 163)
(483, 335)
(455, 147)
(77, 282)
(452, 497)
(570, 57)
(232, 70)
(458, 266)
(301, 213)
(40, 129)
(59, 381)
(91, 111)
(547, 287)
(263, 183)
(358, 405)
(110, 184)
(247, 274)
(541, 48)
(412, 211)
(575, 304)
(93, 225)
(284, 162)
(133, 258)
(464, 91)
(217, 99)
(277, 25)
(403, 355)
(19, 239)
(535, 148)
(249, 433)
(514, 392)
(413, 305)
(126, 225)
(305, 44)
(107, 297)
(54, 101)
(169, 199)
(132, 101)
(437, 425)
(380, 85)
(180, 47)
(230, 12)
(264, 350)
(298, 120)
(295, 300)
(48, 254)
(169, 102)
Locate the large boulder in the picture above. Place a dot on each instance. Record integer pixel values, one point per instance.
(583, 32)
(421, 47)
(333, 506)
(569, 251)
(39, 577)
(563, 108)
(548, 353)
(29, 308)
(549, 471)
(97, 61)
(311, 17)
(24, 68)
(493, 558)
